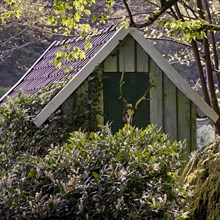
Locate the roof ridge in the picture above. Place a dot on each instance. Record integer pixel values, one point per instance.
(76, 38)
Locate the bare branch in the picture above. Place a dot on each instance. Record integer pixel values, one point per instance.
(122, 82)
(156, 14)
(129, 12)
(143, 97)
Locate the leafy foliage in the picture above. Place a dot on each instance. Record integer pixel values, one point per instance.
(130, 175)
(203, 173)
(186, 30)
(18, 131)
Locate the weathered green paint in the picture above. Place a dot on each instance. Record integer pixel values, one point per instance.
(127, 55)
(167, 107)
(142, 59)
(156, 95)
(170, 109)
(134, 87)
(110, 64)
(184, 120)
(193, 127)
(169, 114)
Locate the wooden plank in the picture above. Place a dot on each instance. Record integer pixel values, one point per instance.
(142, 59)
(184, 122)
(127, 55)
(110, 63)
(170, 114)
(193, 127)
(156, 98)
(174, 76)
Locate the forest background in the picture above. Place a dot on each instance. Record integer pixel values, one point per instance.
(186, 33)
(35, 173)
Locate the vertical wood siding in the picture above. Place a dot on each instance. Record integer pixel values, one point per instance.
(170, 109)
(111, 63)
(193, 127)
(142, 59)
(184, 120)
(127, 55)
(156, 95)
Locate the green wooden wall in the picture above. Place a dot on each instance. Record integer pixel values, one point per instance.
(168, 107)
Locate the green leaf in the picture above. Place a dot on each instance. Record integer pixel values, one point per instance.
(95, 175)
(32, 173)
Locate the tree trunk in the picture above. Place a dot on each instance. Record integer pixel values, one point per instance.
(214, 46)
(209, 69)
(200, 72)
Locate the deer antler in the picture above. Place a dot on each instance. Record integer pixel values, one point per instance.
(129, 108)
(142, 98)
(122, 82)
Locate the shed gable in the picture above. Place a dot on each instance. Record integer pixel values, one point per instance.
(170, 109)
(103, 45)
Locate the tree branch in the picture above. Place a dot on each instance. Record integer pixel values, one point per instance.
(156, 14)
(131, 23)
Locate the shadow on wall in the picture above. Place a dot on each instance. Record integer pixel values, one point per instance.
(205, 132)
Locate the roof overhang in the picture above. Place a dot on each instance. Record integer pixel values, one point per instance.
(75, 82)
(107, 48)
(174, 76)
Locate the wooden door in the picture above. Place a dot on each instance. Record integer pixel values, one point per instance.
(134, 87)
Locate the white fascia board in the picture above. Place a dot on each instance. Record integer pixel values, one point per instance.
(74, 83)
(174, 76)
(20, 80)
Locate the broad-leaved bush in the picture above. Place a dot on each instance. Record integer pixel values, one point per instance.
(17, 130)
(132, 174)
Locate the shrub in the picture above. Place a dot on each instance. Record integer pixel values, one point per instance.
(130, 175)
(203, 173)
(18, 131)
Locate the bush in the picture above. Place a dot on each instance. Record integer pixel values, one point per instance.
(130, 175)
(203, 173)
(17, 130)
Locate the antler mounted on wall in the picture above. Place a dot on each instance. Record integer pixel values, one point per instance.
(130, 108)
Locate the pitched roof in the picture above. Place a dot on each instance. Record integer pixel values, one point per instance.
(44, 72)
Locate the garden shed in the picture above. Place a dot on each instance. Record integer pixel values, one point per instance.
(135, 84)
